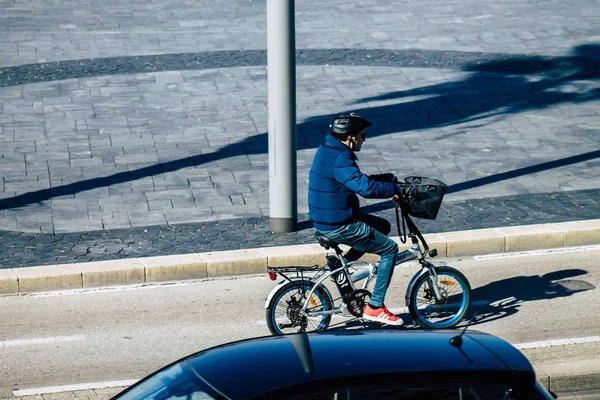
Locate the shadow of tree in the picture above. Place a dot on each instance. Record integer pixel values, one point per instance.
(495, 88)
(479, 96)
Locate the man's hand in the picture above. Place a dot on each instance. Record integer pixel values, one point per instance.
(384, 178)
(404, 190)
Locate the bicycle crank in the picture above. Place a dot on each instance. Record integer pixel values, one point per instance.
(356, 301)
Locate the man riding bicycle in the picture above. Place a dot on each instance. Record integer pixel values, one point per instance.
(334, 182)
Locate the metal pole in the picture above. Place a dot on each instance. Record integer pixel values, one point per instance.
(281, 64)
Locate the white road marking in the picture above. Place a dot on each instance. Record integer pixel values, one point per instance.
(73, 292)
(538, 252)
(35, 341)
(72, 388)
(557, 342)
(142, 286)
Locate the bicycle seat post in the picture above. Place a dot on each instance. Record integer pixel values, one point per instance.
(327, 244)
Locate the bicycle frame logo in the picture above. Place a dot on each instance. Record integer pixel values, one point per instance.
(341, 278)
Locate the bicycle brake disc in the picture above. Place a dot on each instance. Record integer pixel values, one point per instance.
(357, 300)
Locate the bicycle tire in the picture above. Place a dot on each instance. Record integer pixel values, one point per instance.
(323, 300)
(424, 309)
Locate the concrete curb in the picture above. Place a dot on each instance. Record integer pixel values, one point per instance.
(573, 366)
(252, 261)
(565, 382)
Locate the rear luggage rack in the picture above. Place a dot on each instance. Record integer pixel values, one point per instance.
(298, 271)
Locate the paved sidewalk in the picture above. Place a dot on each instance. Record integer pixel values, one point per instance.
(140, 130)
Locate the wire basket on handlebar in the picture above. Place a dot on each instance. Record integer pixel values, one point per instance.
(424, 196)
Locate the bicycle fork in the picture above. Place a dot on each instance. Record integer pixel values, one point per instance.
(428, 268)
(432, 283)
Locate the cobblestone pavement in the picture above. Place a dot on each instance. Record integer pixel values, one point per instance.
(20, 249)
(130, 129)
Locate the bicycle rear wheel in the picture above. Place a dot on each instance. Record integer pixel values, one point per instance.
(428, 312)
(283, 313)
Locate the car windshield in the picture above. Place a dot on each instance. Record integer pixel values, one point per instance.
(175, 381)
(404, 392)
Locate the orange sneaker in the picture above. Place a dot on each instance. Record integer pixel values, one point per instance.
(382, 315)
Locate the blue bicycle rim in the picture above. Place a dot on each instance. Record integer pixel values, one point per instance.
(463, 306)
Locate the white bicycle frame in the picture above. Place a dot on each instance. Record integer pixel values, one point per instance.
(410, 254)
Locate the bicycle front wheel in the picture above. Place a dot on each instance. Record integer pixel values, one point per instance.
(284, 311)
(428, 312)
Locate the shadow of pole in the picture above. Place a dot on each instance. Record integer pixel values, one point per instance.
(94, 183)
(385, 205)
(197, 160)
(523, 171)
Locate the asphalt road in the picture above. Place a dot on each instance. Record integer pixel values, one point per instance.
(64, 338)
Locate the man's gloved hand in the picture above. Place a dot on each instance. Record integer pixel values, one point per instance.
(404, 191)
(384, 178)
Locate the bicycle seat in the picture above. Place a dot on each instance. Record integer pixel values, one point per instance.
(325, 242)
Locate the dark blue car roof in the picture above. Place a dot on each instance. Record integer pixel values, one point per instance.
(262, 364)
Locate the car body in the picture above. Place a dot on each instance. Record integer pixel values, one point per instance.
(350, 364)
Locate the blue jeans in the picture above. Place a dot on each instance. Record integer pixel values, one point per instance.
(364, 238)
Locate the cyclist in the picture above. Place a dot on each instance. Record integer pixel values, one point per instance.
(334, 182)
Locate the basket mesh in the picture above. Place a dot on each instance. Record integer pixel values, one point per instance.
(427, 196)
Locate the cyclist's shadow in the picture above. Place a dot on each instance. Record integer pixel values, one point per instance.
(503, 298)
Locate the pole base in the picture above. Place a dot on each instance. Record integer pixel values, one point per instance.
(283, 225)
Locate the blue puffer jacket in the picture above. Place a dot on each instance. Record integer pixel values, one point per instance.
(333, 183)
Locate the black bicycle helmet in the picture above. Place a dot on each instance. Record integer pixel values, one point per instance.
(347, 124)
